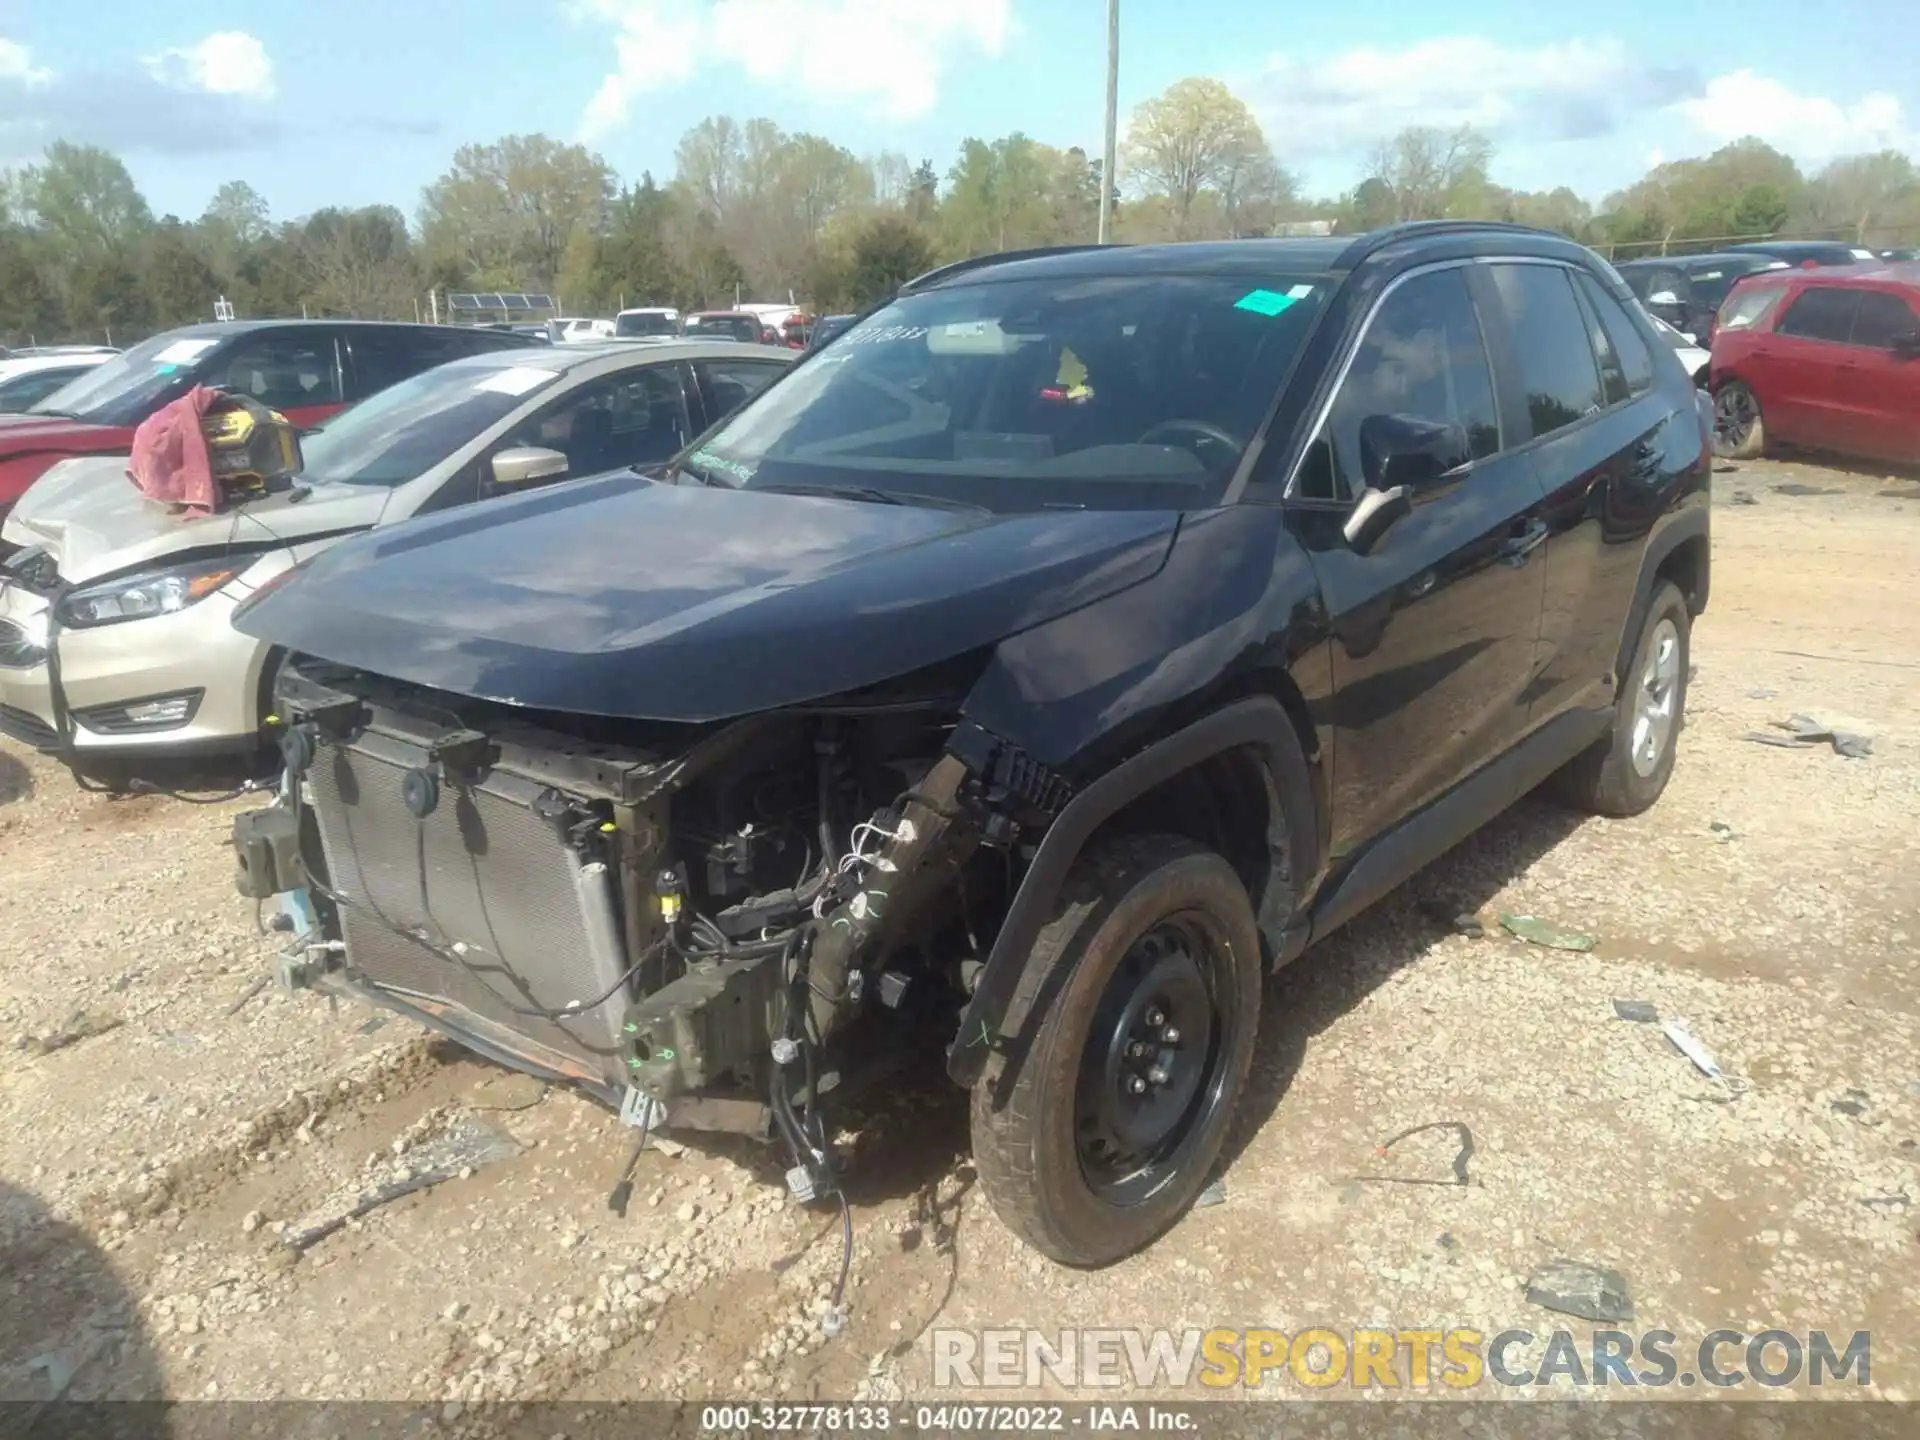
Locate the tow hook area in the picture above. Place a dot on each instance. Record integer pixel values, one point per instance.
(304, 966)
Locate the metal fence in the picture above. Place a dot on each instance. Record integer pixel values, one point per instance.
(1670, 244)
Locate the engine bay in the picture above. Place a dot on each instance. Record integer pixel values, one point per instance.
(709, 927)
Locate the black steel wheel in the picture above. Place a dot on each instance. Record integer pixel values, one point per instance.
(1108, 1125)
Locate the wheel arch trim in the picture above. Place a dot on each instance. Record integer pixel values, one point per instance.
(1691, 527)
(1257, 722)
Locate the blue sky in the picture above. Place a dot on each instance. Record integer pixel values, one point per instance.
(356, 102)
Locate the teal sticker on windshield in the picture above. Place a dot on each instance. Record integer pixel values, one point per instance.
(165, 369)
(1263, 302)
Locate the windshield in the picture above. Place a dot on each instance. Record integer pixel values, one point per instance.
(133, 384)
(1115, 392)
(740, 327)
(405, 430)
(630, 325)
(1748, 306)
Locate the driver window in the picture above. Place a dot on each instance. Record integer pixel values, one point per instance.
(1421, 358)
(633, 418)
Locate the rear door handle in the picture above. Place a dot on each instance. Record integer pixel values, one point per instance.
(1525, 539)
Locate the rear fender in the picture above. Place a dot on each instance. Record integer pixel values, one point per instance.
(1690, 527)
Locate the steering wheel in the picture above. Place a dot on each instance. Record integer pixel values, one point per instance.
(1196, 429)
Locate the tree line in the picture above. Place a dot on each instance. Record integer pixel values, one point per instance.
(753, 211)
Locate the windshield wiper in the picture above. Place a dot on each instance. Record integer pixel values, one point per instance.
(57, 414)
(873, 494)
(839, 492)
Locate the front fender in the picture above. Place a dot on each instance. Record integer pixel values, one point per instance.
(1258, 722)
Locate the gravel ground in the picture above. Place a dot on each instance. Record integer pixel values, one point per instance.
(155, 1166)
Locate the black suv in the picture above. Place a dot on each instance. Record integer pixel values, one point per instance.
(1027, 673)
(1809, 252)
(1686, 290)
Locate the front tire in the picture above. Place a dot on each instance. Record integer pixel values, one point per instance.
(1150, 974)
(1628, 771)
(1739, 431)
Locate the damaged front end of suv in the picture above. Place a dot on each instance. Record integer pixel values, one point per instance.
(872, 729)
(682, 920)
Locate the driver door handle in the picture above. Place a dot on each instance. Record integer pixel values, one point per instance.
(1525, 538)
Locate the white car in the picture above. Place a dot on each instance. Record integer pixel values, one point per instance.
(25, 380)
(115, 641)
(579, 331)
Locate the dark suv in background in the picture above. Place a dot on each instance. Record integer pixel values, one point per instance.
(1686, 290)
(306, 369)
(1809, 253)
(1028, 672)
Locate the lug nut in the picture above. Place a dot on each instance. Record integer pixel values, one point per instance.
(1136, 1086)
(1171, 1035)
(1136, 1049)
(1158, 1075)
(1156, 1016)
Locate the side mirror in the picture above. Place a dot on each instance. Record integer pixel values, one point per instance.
(525, 465)
(1405, 450)
(1907, 344)
(1665, 297)
(1374, 515)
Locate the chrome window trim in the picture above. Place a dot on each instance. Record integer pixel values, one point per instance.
(1373, 312)
(1314, 432)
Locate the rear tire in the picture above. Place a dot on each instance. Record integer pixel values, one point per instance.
(1117, 1113)
(1627, 772)
(1739, 430)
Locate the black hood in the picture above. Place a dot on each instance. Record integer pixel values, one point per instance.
(620, 596)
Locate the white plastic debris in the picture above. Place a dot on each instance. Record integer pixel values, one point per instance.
(1703, 1061)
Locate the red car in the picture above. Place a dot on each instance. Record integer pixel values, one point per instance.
(307, 370)
(1828, 359)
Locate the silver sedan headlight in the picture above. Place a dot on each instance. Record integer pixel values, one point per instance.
(153, 592)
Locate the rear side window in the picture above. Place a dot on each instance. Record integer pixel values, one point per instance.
(1422, 358)
(383, 359)
(1551, 343)
(1822, 312)
(1626, 365)
(1882, 318)
(1613, 379)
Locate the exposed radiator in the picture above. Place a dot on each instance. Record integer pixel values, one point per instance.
(484, 873)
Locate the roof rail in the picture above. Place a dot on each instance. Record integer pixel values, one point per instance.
(1003, 257)
(1367, 242)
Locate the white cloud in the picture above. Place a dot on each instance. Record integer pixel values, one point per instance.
(885, 55)
(1808, 127)
(1583, 113)
(16, 65)
(228, 62)
(1569, 91)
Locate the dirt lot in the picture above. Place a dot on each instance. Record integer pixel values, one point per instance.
(150, 1172)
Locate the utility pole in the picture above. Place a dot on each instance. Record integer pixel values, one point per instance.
(1113, 117)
